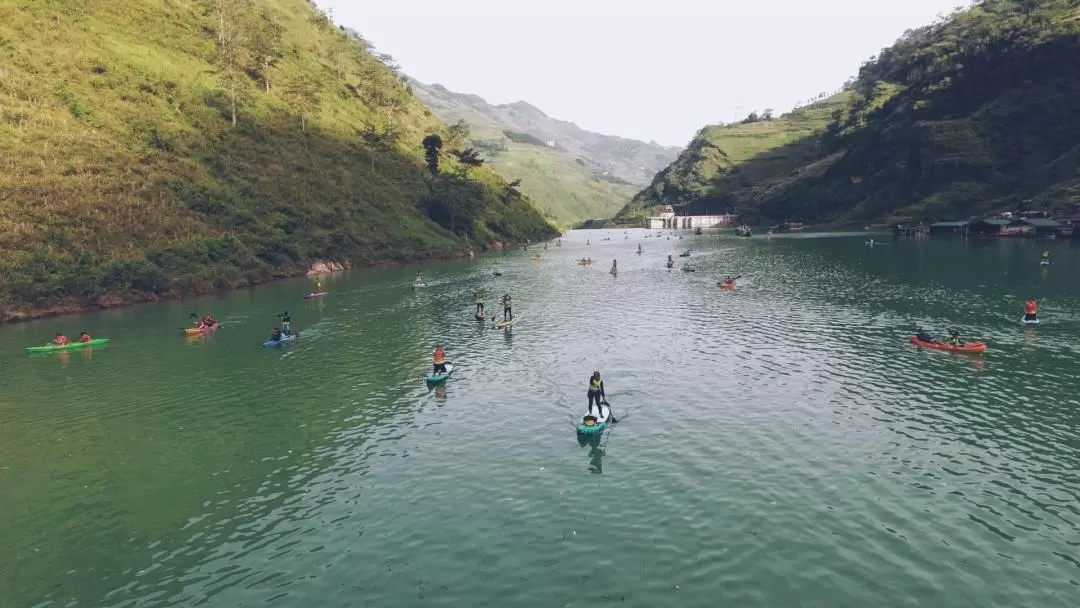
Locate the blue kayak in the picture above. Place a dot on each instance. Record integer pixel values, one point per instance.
(284, 338)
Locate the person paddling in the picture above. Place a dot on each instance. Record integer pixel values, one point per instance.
(614, 267)
(439, 360)
(1046, 257)
(1031, 310)
(286, 322)
(670, 261)
(84, 337)
(419, 278)
(596, 394)
(508, 308)
(61, 340)
(479, 304)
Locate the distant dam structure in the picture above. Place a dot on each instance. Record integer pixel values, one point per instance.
(667, 220)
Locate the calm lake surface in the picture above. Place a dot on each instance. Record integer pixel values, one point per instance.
(780, 444)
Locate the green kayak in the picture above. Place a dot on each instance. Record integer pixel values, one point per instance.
(56, 347)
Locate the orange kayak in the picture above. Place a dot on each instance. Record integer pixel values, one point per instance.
(201, 330)
(970, 347)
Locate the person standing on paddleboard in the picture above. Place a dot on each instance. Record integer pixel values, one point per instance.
(1031, 310)
(479, 303)
(286, 322)
(439, 357)
(1046, 257)
(508, 308)
(596, 393)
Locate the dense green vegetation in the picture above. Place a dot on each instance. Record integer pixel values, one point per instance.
(976, 113)
(579, 175)
(160, 147)
(724, 163)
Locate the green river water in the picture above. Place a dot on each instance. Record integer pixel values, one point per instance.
(779, 444)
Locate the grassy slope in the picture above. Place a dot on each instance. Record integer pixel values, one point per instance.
(122, 178)
(723, 159)
(973, 114)
(560, 187)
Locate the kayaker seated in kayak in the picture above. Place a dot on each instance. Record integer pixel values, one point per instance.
(1031, 310)
(275, 336)
(61, 340)
(508, 308)
(84, 337)
(208, 321)
(728, 282)
(927, 337)
(439, 358)
(479, 303)
(954, 338)
(286, 322)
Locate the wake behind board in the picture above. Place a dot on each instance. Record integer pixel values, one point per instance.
(590, 424)
(440, 377)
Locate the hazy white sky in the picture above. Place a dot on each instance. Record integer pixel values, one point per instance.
(643, 69)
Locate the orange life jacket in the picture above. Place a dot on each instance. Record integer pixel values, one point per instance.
(440, 356)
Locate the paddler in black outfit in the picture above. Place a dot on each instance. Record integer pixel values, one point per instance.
(596, 393)
(286, 322)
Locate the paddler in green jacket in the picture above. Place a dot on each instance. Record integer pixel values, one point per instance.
(479, 303)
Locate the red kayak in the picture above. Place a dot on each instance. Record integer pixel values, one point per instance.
(970, 347)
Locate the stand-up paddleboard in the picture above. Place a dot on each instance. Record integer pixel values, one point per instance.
(1044, 263)
(441, 377)
(1029, 321)
(509, 323)
(418, 285)
(591, 424)
(314, 295)
(284, 338)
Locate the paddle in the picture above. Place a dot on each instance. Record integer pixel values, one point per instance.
(610, 414)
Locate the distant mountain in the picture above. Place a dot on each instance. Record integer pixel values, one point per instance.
(568, 172)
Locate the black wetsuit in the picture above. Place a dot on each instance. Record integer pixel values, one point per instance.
(508, 309)
(596, 393)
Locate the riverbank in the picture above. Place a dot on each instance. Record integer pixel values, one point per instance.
(14, 314)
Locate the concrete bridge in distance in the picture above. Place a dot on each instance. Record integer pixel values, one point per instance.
(667, 220)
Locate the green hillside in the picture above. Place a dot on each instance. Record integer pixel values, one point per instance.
(724, 163)
(583, 175)
(979, 112)
(159, 147)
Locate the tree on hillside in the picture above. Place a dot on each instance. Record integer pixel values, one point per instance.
(266, 48)
(768, 114)
(459, 134)
(301, 92)
(469, 159)
(432, 145)
(233, 41)
(511, 191)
